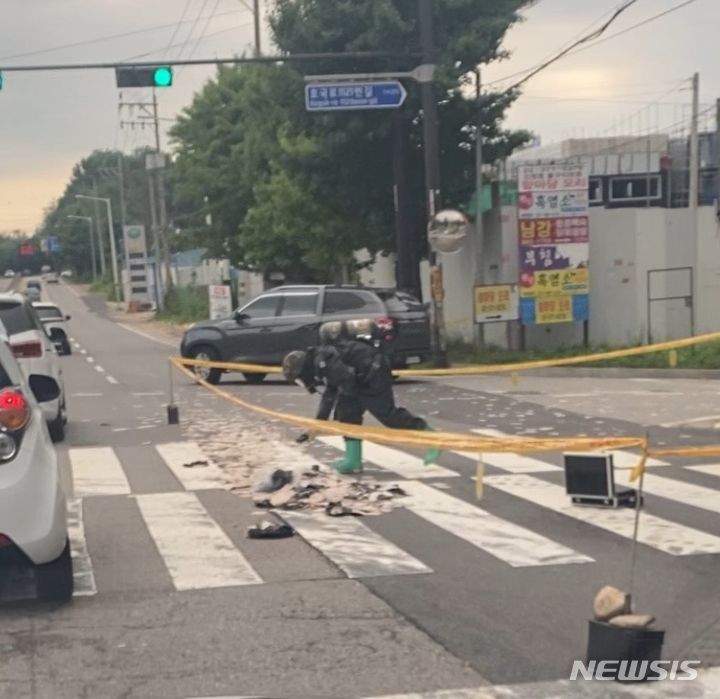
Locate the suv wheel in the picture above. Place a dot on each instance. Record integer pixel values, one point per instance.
(207, 354)
(55, 579)
(254, 378)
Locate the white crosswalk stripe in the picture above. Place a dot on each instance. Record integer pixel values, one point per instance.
(512, 463)
(191, 467)
(353, 547)
(515, 545)
(670, 537)
(678, 491)
(196, 551)
(97, 471)
(82, 565)
(399, 462)
(707, 469)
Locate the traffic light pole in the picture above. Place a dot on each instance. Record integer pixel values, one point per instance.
(432, 177)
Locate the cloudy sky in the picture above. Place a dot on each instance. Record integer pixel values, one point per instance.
(48, 121)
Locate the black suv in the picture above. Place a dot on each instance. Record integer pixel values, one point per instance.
(288, 318)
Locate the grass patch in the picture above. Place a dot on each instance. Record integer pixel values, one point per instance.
(104, 285)
(186, 304)
(705, 356)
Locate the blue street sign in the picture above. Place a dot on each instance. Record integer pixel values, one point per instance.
(53, 245)
(338, 97)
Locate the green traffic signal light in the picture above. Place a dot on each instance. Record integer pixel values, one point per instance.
(163, 76)
(1, 80)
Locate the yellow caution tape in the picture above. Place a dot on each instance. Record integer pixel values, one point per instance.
(480, 369)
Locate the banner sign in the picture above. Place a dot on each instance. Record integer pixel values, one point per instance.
(496, 303)
(553, 244)
(220, 301)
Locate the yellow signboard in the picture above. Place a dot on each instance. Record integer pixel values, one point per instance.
(555, 283)
(496, 303)
(554, 309)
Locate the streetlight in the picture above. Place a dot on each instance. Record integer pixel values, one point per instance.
(92, 240)
(113, 251)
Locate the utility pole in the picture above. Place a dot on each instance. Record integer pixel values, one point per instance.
(98, 232)
(162, 197)
(479, 228)
(694, 195)
(432, 176)
(89, 221)
(256, 18)
(408, 277)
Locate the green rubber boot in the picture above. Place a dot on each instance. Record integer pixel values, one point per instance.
(432, 455)
(352, 463)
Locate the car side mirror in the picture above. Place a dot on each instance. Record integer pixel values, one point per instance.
(67, 317)
(240, 317)
(44, 388)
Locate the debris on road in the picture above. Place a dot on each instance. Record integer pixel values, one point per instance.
(195, 464)
(278, 478)
(614, 607)
(318, 490)
(270, 530)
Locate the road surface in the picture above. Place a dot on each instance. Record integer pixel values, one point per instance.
(479, 598)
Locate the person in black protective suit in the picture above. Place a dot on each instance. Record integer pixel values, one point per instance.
(351, 364)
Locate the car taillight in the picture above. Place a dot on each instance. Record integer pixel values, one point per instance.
(26, 350)
(14, 415)
(5, 541)
(387, 328)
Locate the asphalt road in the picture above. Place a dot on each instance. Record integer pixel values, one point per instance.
(447, 593)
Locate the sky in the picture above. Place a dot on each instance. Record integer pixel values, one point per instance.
(51, 120)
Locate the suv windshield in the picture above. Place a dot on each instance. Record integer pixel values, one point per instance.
(16, 317)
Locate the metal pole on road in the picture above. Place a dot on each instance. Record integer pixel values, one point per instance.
(92, 242)
(111, 234)
(432, 176)
(479, 229)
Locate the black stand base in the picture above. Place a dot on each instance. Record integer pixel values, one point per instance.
(173, 415)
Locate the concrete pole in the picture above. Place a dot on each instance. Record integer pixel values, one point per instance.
(479, 228)
(693, 197)
(113, 251)
(256, 19)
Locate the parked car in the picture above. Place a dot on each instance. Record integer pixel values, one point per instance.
(33, 290)
(33, 519)
(55, 326)
(36, 354)
(288, 318)
(51, 278)
(66, 274)
(9, 273)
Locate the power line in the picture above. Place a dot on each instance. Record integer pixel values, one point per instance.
(109, 37)
(177, 26)
(205, 28)
(189, 37)
(577, 48)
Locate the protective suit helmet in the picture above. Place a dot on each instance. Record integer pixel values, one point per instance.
(294, 366)
(364, 329)
(332, 332)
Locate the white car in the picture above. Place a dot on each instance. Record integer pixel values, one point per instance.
(51, 278)
(54, 322)
(36, 354)
(33, 518)
(9, 273)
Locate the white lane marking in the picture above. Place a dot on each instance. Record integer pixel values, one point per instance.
(83, 351)
(664, 535)
(680, 423)
(98, 368)
(679, 491)
(629, 460)
(201, 477)
(490, 432)
(150, 337)
(405, 465)
(90, 359)
(97, 471)
(86, 395)
(511, 462)
(196, 551)
(708, 469)
(112, 379)
(353, 547)
(149, 393)
(515, 545)
(82, 565)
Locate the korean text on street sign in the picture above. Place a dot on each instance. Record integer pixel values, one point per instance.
(220, 301)
(496, 303)
(333, 97)
(553, 243)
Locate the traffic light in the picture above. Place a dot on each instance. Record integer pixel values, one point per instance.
(144, 76)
